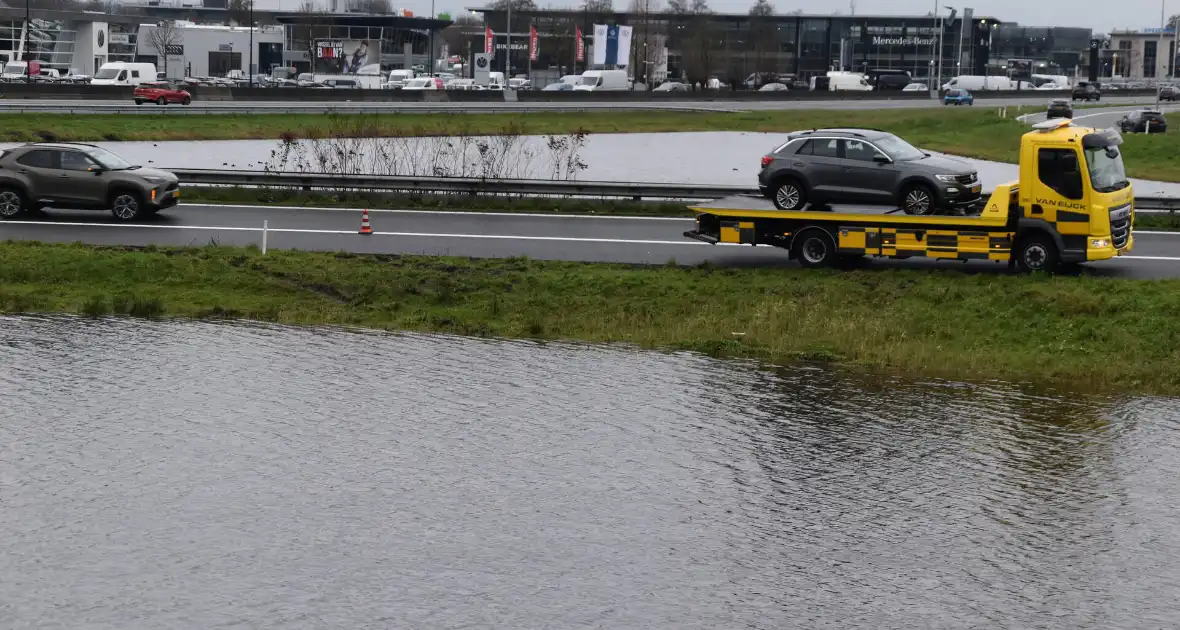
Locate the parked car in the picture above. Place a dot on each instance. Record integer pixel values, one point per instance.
(1059, 108)
(424, 83)
(863, 166)
(671, 86)
(161, 93)
(774, 87)
(916, 87)
(82, 177)
(956, 96)
(1169, 93)
(1086, 92)
(1143, 121)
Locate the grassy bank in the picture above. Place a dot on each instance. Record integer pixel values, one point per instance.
(456, 203)
(1085, 332)
(972, 132)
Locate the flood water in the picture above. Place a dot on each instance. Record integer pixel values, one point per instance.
(201, 475)
(722, 158)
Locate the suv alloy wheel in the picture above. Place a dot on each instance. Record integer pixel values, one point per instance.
(789, 196)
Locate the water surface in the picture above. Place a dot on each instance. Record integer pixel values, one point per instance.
(722, 157)
(199, 475)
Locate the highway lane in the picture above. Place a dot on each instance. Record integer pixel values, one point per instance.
(84, 106)
(1103, 117)
(545, 237)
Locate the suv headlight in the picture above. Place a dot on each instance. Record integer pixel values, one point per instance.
(950, 179)
(152, 179)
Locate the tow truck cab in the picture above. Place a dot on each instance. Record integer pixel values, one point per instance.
(1072, 203)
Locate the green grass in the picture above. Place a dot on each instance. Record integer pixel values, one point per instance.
(971, 132)
(1085, 332)
(1169, 222)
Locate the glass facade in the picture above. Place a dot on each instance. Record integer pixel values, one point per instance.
(51, 42)
(1057, 50)
(732, 47)
(302, 36)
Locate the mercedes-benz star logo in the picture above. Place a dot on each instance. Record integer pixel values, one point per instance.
(102, 39)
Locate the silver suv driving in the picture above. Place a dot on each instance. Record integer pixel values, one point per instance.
(863, 166)
(81, 177)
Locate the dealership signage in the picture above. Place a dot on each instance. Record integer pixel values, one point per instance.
(903, 41)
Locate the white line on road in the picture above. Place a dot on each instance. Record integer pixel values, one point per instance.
(540, 215)
(506, 237)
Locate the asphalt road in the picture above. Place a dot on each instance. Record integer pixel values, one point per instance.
(1102, 117)
(83, 106)
(545, 237)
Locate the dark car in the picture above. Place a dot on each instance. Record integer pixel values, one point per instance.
(1086, 92)
(863, 166)
(1059, 108)
(1170, 93)
(1144, 121)
(81, 177)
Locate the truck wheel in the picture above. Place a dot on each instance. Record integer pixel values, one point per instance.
(917, 199)
(814, 248)
(1037, 253)
(126, 205)
(12, 203)
(789, 195)
(139, 101)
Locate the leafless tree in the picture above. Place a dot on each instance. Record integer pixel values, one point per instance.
(163, 36)
(239, 11)
(646, 37)
(690, 18)
(764, 35)
(310, 13)
(517, 5)
(382, 7)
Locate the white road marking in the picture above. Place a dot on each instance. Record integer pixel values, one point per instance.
(506, 237)
(541, 215)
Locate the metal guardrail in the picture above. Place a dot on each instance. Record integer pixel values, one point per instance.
(265, 107)
(468, 185)
(522, 187)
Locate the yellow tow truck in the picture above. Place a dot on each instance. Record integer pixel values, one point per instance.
(1072, 204)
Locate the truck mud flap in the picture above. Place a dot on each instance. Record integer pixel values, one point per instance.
(704, 238)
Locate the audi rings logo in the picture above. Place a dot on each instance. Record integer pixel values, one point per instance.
(102, 38)
(482, 62)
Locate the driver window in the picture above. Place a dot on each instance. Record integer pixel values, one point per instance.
(75, 161)
(1060, 170)
(859, 151)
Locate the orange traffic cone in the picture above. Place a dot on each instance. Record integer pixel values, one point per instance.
(365, 229)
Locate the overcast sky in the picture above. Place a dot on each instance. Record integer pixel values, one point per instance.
(1099, 15)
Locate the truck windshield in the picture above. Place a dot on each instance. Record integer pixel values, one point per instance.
(1106, 173)
(897, 148)
(106, 73)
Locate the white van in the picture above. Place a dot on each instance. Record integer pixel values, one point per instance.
(978, 82)
(124, 73)
(599, 80)
(848, 82)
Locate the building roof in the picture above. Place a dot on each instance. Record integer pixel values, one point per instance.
(362, 19)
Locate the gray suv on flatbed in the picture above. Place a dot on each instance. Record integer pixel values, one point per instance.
(81, 177)
(864, 166)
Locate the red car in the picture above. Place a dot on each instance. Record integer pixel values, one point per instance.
(161, 93)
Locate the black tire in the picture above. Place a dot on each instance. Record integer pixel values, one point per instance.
(139, 101)
(814, 248)
(12, 203)
(789, 195)
(127, 205)
(161, 101)
(918, 199)
(186, 101)
(1037, 252)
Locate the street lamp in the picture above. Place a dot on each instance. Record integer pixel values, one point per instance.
(250, 65)
(28, 57)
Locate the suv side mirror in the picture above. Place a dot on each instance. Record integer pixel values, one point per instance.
(97, 170)
(882, 159)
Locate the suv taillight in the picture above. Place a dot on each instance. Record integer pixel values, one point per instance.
(766, 160)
